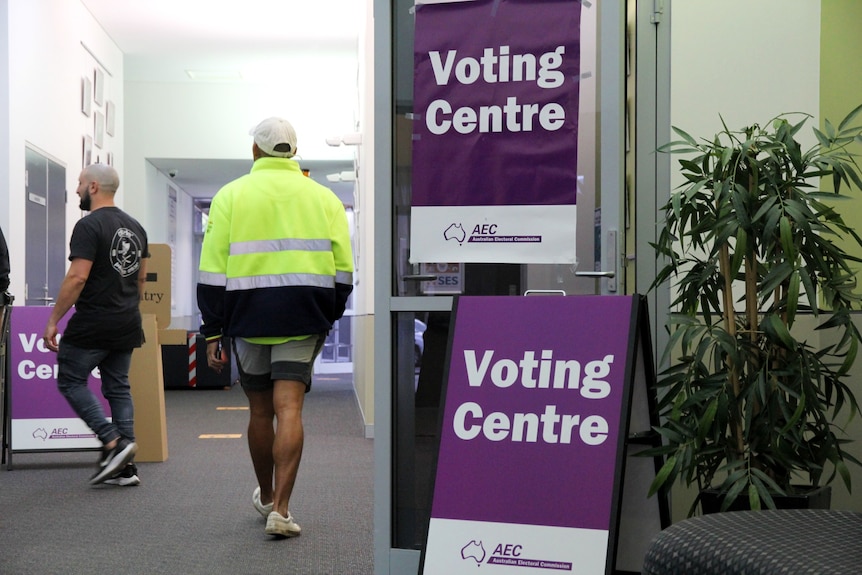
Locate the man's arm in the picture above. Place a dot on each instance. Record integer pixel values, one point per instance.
(142, 277)
(4, 264)
(70, 290)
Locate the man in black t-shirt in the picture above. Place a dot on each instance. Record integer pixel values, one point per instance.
(108, 251)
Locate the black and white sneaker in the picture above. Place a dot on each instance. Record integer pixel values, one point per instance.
(125, 478)
(114, 459)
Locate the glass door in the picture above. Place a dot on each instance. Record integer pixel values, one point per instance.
(413, 301)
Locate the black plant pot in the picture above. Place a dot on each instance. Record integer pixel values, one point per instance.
(799, 498)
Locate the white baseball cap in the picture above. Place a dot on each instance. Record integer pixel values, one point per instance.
(272, 133)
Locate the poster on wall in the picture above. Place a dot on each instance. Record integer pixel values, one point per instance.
(40, 417)
(532, 438)
(495, 131)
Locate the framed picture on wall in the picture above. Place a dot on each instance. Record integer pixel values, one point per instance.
(87, 154)
(86, 96)
(99, 87)
(99, 129)
(110, 114)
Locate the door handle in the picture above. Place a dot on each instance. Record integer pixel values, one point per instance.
(596, 274)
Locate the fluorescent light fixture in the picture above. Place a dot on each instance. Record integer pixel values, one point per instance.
(348, 139)
(352, 139)
(345, 176)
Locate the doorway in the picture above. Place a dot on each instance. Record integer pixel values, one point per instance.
(45, 224)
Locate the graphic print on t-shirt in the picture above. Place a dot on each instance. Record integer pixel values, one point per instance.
(125, 252)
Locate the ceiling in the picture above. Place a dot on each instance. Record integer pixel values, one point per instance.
(227, 42)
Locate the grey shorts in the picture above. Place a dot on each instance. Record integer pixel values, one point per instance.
(260, 365)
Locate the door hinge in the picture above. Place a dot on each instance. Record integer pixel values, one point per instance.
(657, 11)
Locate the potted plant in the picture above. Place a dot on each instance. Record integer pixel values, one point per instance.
(749, 406)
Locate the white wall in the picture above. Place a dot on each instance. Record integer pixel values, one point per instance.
(47, 59)
(178, 235)
(363, 299)
(5, 186)
(211, 120)
(747, 61)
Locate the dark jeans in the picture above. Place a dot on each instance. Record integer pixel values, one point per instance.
(74, 366)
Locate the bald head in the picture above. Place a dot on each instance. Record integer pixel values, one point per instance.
(104, 175)
(97, 185)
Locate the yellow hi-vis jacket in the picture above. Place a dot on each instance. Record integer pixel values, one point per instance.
(276, 259)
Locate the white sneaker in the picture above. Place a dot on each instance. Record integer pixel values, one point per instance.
(264, 510)
(282, 526)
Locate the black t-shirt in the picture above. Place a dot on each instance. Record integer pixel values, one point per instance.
(106, 313)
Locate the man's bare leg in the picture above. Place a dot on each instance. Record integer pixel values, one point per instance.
(261, 436)
(288, 397)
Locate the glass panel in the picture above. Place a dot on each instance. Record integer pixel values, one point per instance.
(419, 367)
(337, 348)
(419, 381)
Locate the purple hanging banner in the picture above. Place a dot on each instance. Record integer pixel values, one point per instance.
(532, 435)
(495, 131)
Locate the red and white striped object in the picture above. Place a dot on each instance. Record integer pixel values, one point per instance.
(193, 360)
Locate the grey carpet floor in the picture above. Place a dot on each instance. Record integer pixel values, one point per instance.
(192, 514)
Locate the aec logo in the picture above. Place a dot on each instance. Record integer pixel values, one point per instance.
(480, 233)
(503, 554)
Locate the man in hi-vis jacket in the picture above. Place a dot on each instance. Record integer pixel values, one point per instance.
(275, 273)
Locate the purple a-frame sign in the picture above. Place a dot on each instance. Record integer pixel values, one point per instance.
(532, 437)
(40, 417)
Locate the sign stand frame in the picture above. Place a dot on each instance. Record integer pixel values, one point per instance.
(6, 310)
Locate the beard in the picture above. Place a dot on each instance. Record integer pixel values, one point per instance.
(85, 203)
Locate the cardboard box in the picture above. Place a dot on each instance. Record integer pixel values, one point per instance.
(148, 395)
(156, 298)
(173, 337)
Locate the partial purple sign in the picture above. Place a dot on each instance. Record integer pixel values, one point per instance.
(40, 415)
(533, 410)
(496, 103)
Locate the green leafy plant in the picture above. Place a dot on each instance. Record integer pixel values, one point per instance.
(748, 245)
